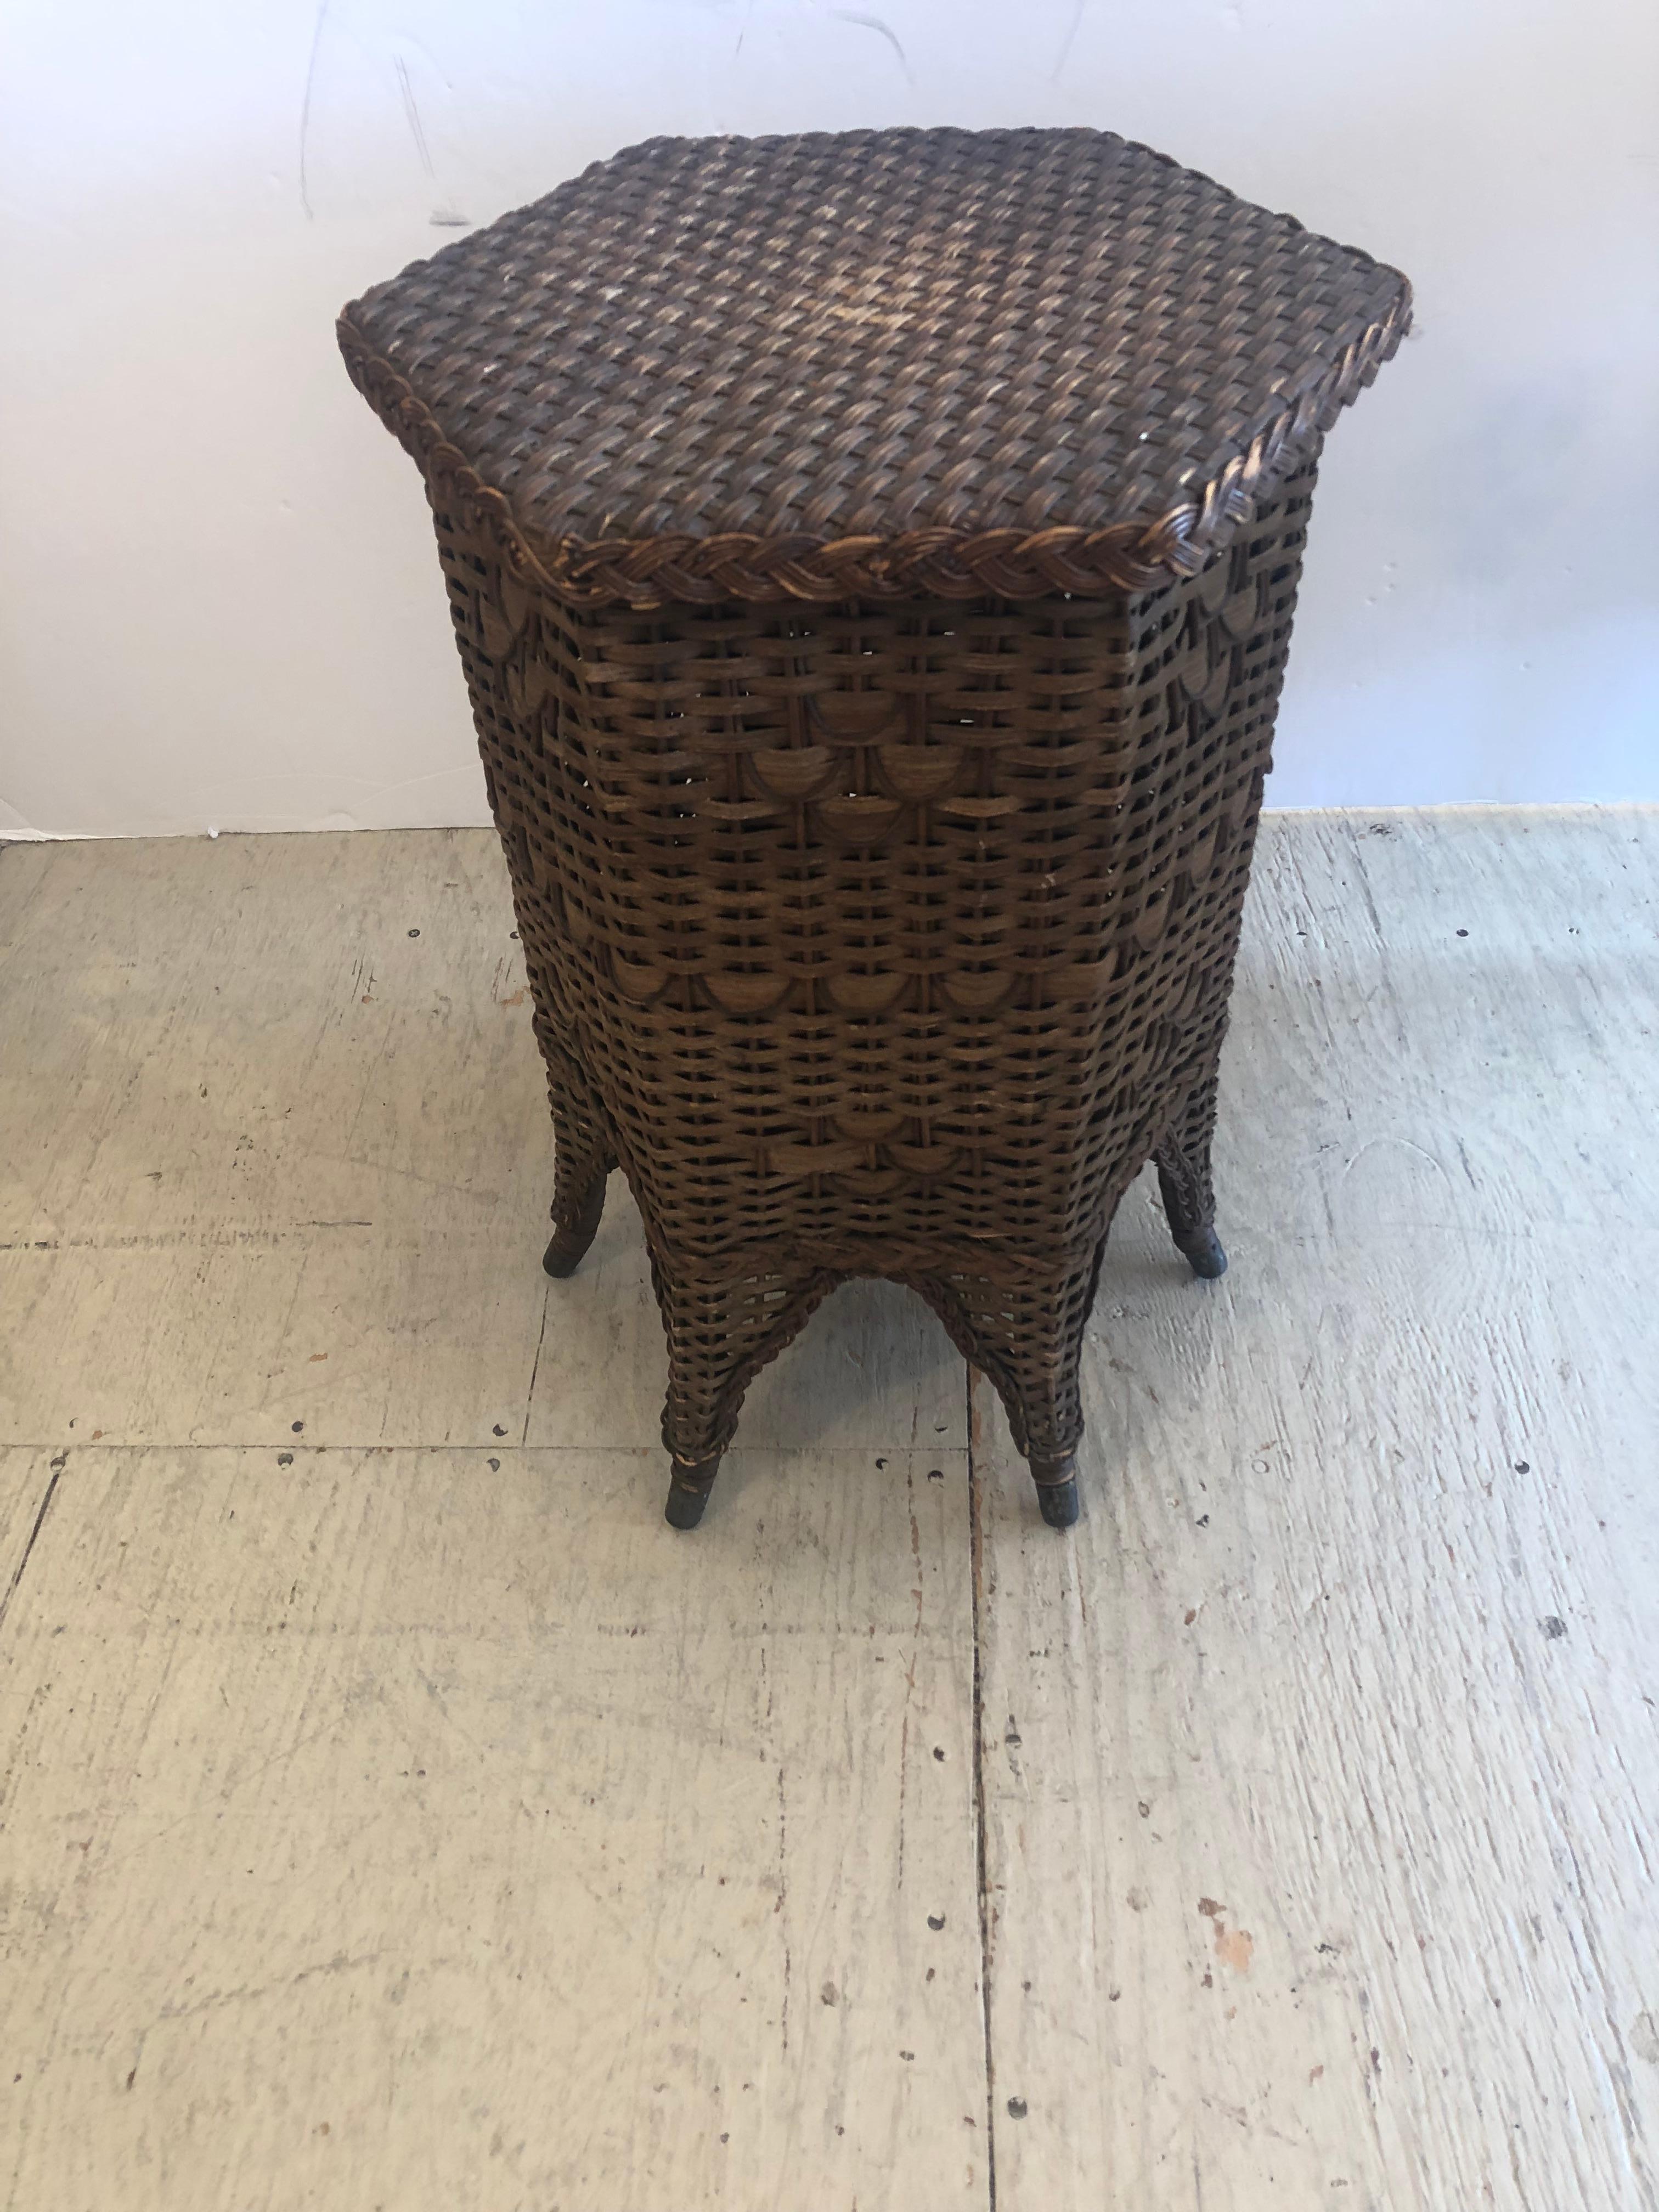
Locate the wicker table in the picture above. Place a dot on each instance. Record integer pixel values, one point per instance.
(872, 557)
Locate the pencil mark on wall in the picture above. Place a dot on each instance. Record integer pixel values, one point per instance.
(874, 23)
(414, 115)
(305, 105)
(445, 217)
(1065, 54)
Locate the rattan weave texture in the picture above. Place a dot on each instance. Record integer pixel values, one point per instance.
(879, 929)
(890, 363)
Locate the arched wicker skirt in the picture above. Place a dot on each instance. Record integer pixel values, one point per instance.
(886, 939)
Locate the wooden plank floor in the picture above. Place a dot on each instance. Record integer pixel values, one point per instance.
(393, 1813)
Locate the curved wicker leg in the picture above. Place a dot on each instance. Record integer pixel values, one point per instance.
(1029, 1342)
(581, 1160)
(1183, 1182)
(720, 1335)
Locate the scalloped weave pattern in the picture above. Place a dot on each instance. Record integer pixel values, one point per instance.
(880, 940)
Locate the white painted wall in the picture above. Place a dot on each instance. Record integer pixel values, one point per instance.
(220, 605)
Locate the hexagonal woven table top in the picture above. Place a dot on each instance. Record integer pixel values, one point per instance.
(877, 362)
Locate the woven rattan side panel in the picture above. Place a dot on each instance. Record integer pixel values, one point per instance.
(884, 939)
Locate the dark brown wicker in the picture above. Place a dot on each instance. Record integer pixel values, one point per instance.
(873, 558)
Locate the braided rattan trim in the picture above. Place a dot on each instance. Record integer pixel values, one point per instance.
(940, 563)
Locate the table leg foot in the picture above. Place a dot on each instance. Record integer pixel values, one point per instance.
(1056, 1490)
(1185, 1185)
(1205, 1255)
(567, 1247)
(687, 1491)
